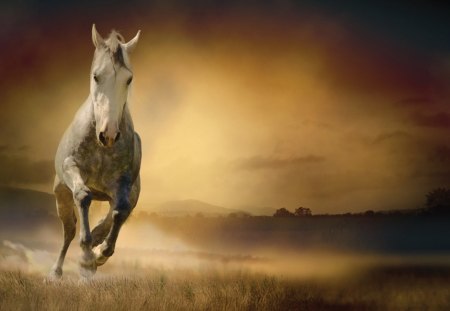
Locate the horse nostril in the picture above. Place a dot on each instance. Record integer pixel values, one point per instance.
(117, 137)
(102, 138)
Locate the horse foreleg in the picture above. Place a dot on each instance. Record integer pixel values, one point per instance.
(82, 197)
(120, 213)
(121, 209)
(101, 230)
(65, 209)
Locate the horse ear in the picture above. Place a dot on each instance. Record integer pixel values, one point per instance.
(130, 45)
(96, 38)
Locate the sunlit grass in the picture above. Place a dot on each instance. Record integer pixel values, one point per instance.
(158, 289)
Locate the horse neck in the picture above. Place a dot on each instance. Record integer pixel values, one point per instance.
(126, 120)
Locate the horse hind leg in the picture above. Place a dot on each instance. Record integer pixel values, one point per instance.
(65, 208)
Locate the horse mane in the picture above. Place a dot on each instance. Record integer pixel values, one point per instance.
(113, 45)
(113, 41)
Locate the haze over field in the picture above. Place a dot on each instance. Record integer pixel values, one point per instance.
(337, 107)
(385, 261)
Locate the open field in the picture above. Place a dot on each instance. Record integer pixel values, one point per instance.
(258, 263)
(407, 288)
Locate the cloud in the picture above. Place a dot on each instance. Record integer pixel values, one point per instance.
(433, 168)
(435, 120)
(23, 170)
(441, 154)
(416, 101)
(260, 162)
(434, 178)
(387, 136)
(3, 148)
(242, 102)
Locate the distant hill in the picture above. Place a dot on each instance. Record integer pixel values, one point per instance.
(191, 208)
(26, 207)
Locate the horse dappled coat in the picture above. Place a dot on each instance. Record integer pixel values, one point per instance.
(99, 157)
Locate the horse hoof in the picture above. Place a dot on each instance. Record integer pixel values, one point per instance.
(54, 275)
(87, 270)
(100, 259)
(88, 267)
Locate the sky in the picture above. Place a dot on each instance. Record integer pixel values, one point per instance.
(339, 107)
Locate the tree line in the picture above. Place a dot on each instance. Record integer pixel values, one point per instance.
(437, 203)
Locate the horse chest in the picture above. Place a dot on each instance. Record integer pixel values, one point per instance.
(101, 168)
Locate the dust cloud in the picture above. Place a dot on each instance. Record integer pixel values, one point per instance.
(144, 247)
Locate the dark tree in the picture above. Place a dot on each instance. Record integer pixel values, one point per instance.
(282, 212)
(369, 213)
(438, 201)
(303, 211)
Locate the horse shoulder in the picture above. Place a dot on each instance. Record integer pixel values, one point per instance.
(137, 141)
(137, 153)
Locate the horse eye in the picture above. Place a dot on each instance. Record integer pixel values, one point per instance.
(129, 80)
(95, 78)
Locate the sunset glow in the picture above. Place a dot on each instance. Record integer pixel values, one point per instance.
(243, 107)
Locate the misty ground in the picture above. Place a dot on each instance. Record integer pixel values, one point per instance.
(223, 263)
(192, 264)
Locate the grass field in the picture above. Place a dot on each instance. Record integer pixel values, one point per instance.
(403, 288)
(250, 264)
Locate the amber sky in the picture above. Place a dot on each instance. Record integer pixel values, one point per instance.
(337, 106)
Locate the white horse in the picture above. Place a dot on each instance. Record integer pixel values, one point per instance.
(99, 157)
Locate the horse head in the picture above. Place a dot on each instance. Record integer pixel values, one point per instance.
(111, 77)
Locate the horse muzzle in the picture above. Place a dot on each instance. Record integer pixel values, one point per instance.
(106, 140)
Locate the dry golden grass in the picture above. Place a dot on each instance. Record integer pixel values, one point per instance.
(232, 290)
